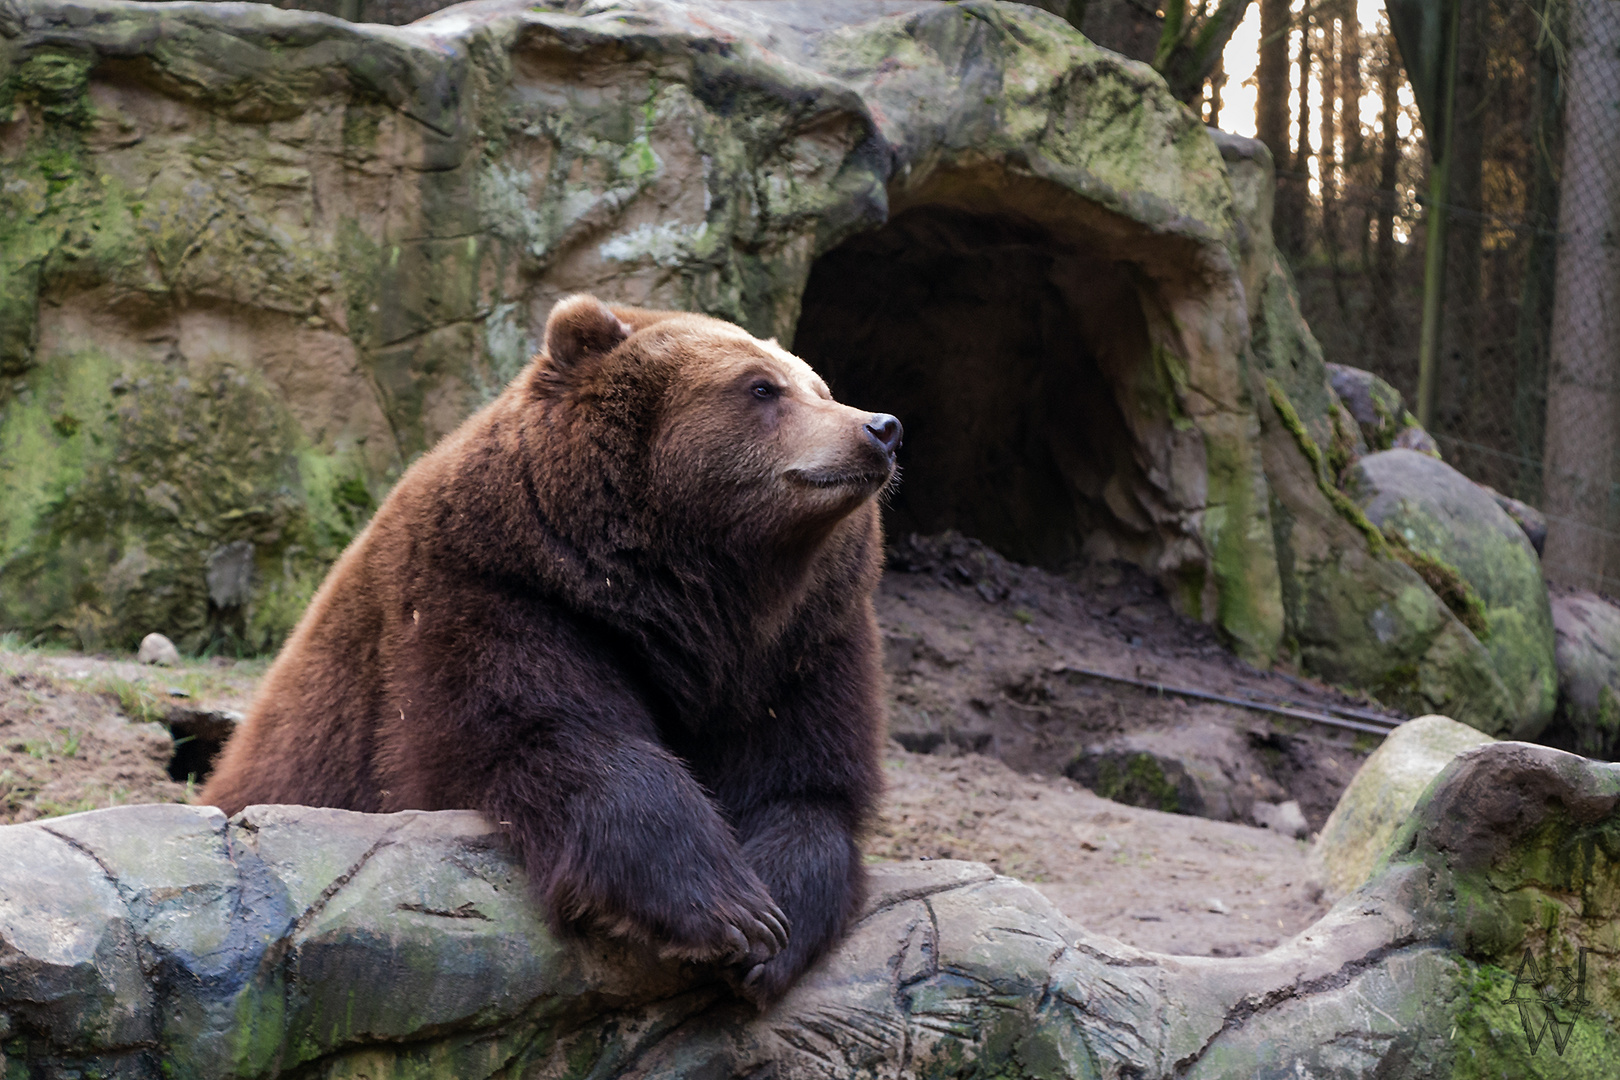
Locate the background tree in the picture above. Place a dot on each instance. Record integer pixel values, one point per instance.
(1583, 411)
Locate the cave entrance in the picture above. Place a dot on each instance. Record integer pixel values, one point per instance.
(1014, 359)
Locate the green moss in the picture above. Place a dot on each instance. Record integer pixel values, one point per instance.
(1445, 581)
(57, 83)
(1140, 783)
(1340, 502)
(160, 473)
(1342, 449)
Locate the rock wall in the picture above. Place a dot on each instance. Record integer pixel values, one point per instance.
(166, 941)
(253, 261)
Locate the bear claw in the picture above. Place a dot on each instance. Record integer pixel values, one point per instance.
(762, 934)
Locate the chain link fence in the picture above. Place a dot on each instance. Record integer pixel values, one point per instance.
(1527, 379)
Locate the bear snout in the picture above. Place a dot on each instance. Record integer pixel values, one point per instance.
(885, 431)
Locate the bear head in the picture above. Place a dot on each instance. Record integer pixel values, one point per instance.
(709, 429)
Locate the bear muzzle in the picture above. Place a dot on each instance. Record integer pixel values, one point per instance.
(885, 431)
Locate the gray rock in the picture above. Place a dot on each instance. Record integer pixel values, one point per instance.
(1475, 555)
(157, 649)
(1531, 520)
(1377, 407)
(1588, 654)
(230, 574)
(165, 941)
(1416, 438)
(1202, 768)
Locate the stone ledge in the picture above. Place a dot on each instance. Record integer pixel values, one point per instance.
(167, 941)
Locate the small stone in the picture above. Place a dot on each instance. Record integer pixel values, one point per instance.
(1531, 520)
(1284, 817)
(1214, 904)
(1374, 404)
(157, 649)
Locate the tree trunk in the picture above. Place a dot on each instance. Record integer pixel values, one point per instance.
(1389, 160)
(1271, 79)
(1459, 410)
(1271, 110)
(1353, 200)
(1291, 236)
(1327, 157)
(1536, 296)
(1582, 407)
(1217, 80)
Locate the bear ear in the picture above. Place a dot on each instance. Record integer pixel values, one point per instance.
(578, 327)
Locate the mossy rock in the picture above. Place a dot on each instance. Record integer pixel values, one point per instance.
(1138, 779)
(1455, 527)
(1358, 614)
(1376, 406)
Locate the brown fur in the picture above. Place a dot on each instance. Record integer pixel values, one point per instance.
(627, 609)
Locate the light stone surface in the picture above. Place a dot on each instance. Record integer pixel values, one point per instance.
(166, 941)
(157, 649)
(1382, 795)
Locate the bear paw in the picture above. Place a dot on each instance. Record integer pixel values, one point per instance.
(741, 934)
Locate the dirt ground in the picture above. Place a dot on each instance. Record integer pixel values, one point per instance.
(1165, 882)
(983, 655)
(980, 654)
(80, 733)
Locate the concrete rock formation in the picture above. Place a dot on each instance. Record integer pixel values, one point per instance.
(165, 941)
(252, 261)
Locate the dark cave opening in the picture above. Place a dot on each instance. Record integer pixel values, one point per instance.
(1006, 353)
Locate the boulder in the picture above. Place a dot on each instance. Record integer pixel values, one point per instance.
(1588, 654)
(1531, 520)
(166, 941)
(157, 649)
(1413, 437)
(1476, 556)
(1203, 768)
(1382, 795)
(1377, 407)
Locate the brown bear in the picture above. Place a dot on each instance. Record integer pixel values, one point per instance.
(626, 611)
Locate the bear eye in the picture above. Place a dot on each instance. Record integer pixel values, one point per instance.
(764, 391)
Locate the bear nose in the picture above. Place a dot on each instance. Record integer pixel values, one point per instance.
(885, 431)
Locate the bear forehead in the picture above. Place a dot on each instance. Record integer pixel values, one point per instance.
(726, 350)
